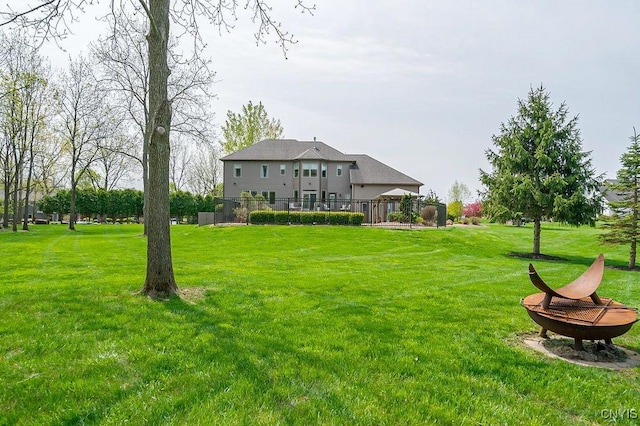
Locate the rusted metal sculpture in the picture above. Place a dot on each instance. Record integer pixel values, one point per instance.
(575, 310)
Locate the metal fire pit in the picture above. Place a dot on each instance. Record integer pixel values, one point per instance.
(575, 310)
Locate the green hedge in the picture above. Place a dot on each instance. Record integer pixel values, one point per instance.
(281, 218)
(357, 218)
(262, 217)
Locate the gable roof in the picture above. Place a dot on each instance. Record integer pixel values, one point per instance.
(287, 149)
(612, 196)
(367, 170)
(362, 170)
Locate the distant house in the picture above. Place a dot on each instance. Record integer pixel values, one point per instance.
(312, 172)
(611, 196)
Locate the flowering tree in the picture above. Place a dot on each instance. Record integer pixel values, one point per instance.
(473, 209)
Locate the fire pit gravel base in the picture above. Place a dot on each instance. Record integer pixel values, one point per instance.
(595, 354)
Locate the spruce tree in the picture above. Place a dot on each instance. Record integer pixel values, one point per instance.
(622, 227)
(539, 168)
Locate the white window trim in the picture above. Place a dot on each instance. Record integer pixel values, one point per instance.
(309, 168)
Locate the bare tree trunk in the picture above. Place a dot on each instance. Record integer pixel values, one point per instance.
(25, 217)
(536, 236)
(7, 199)
(17, 186)
(145, 177)
(72, 207)
(25, 222)
(16, 210)
(160, 281)
(634, 238)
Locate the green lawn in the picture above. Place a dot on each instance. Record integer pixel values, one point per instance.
(296, 325)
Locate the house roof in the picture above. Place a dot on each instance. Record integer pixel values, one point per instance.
(288, 149)
(367, 170)
(612, 196)
(363, 169)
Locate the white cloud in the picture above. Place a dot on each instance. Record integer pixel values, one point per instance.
(423, 85)
(358, 58)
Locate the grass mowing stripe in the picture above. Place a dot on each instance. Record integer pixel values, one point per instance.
(294, 324)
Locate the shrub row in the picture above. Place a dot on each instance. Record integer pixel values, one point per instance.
(261, 217)
(471, 220)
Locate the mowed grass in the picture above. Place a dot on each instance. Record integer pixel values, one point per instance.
(296, 325)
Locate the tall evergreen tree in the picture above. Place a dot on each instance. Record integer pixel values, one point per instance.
(622, 226)
(539, 168)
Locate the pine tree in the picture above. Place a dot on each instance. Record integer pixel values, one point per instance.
(622, 227)
(539, 168)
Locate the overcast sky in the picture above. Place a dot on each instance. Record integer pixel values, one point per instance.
(423, 85)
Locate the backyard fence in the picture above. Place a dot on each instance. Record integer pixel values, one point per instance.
(376, 212)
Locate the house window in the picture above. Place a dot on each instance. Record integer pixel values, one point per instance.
(323, 196)
(283, 169)
(296, 169)
(324, 170)
(295, 194)
(264, 171)
(237, 170)
(269, 196)
(339, 170)
(309, 170)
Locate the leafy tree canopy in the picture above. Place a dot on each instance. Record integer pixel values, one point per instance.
(454, 210)
(539, 169)
(459, 192)
(252, 125)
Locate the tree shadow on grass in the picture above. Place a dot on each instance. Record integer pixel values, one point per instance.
(534, 256)
(268, 357)
(228, 351)
(573, 260)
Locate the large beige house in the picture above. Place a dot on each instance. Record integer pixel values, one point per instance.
(310, 172)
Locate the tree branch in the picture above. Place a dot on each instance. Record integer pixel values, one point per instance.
(17, 16)
(152, 21)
